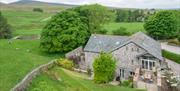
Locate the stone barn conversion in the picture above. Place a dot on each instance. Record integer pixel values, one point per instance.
(136, 54)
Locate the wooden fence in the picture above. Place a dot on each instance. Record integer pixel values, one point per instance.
(21, 86)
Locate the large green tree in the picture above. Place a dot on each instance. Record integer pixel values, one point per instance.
(122, 15)
(96, 16)
(64, 32)
(162, 25)
(5, 28)
(104, 67)
(72, 27)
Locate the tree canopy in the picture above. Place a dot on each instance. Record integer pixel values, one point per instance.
(162, 25)
(96, 15)
(104, 67)
(5, 28)
(64, 32)
(72, 27)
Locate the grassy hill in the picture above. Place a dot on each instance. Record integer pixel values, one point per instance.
(39, 3)
(26, 22)
(21, 56)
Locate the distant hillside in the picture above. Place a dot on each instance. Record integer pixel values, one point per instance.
(2, 3)
(37, 3)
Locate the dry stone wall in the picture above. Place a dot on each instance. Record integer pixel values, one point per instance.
(21, 86)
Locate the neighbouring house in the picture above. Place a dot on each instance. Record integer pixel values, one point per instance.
(136, 51)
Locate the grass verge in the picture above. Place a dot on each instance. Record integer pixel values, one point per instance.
(172, 56)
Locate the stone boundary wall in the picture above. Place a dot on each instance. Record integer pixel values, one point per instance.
(21, 86)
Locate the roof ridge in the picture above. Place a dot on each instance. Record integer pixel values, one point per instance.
(108, 35)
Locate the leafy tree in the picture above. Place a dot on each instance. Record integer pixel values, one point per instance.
(104, 67)
(177, 15)
(37, 10)
(96, 16)
(64, 32)
(71, 28)
(122, 15)
(162, 25)
(5, 28)
(179, 38)
(120, 31)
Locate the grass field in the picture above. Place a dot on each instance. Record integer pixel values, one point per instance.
(26, 22)
(16, 61)
(30, 23)
(131, 27)
(70, 81)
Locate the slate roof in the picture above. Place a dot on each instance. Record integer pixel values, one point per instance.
(109, 43)
(106, 43)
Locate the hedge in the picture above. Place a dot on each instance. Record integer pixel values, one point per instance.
(172, 56)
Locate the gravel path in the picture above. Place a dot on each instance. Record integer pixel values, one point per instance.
(170, 48)
(175, 67)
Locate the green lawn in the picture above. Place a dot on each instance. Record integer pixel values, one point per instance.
(70, 81)
(172, 56)
(16, 61)
(131, 27)
(26, 22)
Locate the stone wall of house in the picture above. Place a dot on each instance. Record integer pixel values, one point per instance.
(77, 55)
(89, 59)
(21, 86)
(126, 57)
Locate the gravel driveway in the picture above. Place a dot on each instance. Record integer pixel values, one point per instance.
(175, 67)
(170, 48)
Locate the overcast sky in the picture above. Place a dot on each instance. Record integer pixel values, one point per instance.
(120, 3)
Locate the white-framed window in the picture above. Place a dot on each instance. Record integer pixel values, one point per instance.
(121, 73)
(148, 64)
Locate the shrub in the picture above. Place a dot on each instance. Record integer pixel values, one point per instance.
(127, 83)
(5, 28)
(101, 31)
(179, 38)
(172, 56)
(173, 42)
(89, 71)
(120, 31)
(37, 10)
(104, 67)
(65, 63)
